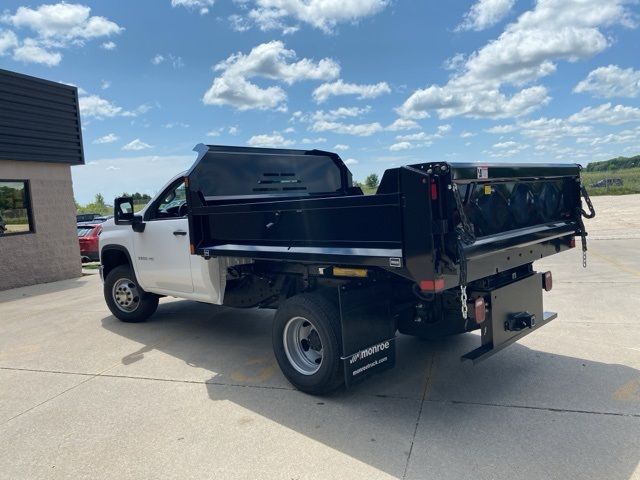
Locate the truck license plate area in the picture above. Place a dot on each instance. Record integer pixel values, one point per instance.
(515, 311)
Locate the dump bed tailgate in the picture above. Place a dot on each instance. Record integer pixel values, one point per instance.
(506, 215)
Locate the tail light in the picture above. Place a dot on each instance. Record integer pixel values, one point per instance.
(434, 191)
(436, 285)
(547, 281)
(572, 242)
(479, 310)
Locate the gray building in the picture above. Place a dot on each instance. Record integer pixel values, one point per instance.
(40, 139)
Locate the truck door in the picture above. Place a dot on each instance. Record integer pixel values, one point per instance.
(162, 250)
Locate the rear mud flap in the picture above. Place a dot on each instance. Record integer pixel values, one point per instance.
(368, 331)
(515, 311)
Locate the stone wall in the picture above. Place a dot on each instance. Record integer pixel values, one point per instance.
(52, 252)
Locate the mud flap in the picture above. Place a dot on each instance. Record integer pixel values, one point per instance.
(368, 331)
(515, 311)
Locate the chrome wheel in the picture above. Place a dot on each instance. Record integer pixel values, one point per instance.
(302, 345)
(126, 295)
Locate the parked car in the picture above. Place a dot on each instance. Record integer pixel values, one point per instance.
(607, 182)
(88, 235)
(86, 217)
(3, 226)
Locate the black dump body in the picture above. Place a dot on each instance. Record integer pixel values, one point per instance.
(300, 206)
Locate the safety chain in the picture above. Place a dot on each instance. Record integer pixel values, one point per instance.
(583, 231)
(463, 300)
(585, 195)
(465, 232)
(466, 235)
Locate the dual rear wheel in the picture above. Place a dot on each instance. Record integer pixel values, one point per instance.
(306, 343)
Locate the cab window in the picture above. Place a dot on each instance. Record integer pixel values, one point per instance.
(173, 203)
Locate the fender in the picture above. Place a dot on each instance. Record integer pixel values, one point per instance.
(106, 267)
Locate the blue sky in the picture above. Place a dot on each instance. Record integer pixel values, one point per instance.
(381, 82)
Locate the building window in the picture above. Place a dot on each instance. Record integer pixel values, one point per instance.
(15, 207)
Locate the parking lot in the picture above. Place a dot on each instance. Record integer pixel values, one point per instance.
(196, 392)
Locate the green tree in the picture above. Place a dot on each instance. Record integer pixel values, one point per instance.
(371, 181)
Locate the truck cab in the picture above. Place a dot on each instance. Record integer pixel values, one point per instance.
(158, 255)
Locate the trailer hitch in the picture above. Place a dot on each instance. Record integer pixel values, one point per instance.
(520, 321)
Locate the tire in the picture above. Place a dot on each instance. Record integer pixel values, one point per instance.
(297, 316)
(125, 298)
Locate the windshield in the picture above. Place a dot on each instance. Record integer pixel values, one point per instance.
(84, 230)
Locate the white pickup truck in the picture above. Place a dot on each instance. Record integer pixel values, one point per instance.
(440, 249)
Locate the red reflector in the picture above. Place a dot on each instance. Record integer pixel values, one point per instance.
(479, 310)
(431, 285)
(572, 242)
(434, 191)
(547, 281)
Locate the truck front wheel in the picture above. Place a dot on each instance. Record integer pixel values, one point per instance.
(125, 298)
(306, 332)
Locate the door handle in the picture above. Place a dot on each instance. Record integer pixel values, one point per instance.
(179, 232)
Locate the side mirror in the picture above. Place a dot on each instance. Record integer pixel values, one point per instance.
(123, 211)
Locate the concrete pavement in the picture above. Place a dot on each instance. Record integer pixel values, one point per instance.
(196, 393)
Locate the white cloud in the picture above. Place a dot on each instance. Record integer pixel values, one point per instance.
(485, 13)
(268, 60)
(607, 114)
(467, 135)
(313, 141)
(234, 130)
(336, 114)
(341, 146)
(105, 84)
(202, 6)
(321, 14)
(351, 161)
(396, 147)
(98, 107)
(553, 30)
(30, 51)
(109, 138)
(339, 87)
(139, 110)
(108, 45)
(625, 136)
(503, 145)
(113, 167)
(63, 21)
(176, 61)
(136, 145)
(611, 81)
(8, 41)
(360, 130)
(403, 124)
(273, 140)
(500, 129)
(176, 125)
(425, 137)
(55, 27)
(545, 129)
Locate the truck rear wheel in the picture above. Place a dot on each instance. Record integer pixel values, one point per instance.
(125, 298)
(306, 332)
